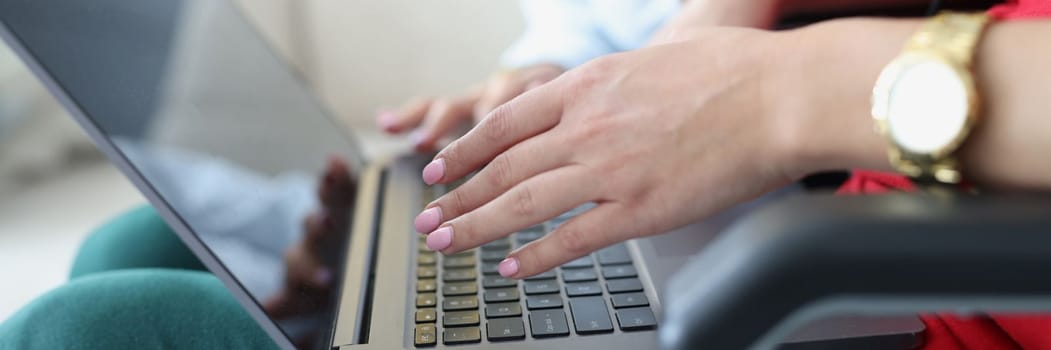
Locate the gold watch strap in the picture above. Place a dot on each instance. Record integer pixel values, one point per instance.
(953, 33)
(955, 36)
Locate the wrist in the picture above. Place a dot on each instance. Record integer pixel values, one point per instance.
(825, 83)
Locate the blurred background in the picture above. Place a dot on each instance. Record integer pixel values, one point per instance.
(359, 56)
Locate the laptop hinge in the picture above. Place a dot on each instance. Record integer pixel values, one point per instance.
(354, 307)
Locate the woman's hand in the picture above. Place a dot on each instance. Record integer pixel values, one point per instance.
(656, 138)
(434, 118)
(672, 133)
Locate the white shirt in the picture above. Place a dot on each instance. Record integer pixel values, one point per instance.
(570, 32)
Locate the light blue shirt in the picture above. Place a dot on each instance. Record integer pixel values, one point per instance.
(570, 32)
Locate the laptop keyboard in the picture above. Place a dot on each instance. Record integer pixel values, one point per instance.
(461, 298)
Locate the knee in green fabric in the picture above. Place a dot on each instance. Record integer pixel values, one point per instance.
(138, 308)
(138, 238)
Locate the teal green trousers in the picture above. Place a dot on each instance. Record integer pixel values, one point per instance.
(134, 285)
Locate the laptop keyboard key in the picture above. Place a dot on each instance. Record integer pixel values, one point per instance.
(629, 300)
(493, 255)
(426, 315)
(426, 259)
(624, 285)
(426, 335)
(463, 254)
(505, 329)
(460, 288)
(583, 289)
(578, 275)
(546, 275)
(503, 310)
(426, 272)
(618, 271)
(460, 318)
(427, 285)
(617, 254)
(590, 315)
(584, 261)
(546, 301)
(636, 319)
(426, 300)
(548, 323)
(498, 282)
(501, 294)
(490, 268)
(466, 302)
(460, 335)
(459, 275)
(541, 287)
(457, 262)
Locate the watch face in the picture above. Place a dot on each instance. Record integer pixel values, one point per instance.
(927, 107)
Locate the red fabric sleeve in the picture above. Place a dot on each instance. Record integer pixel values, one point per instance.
(1021, 9)
(947, 331)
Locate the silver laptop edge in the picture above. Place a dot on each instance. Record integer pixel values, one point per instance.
(359, 258)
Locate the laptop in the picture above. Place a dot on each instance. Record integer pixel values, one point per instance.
(230, 147)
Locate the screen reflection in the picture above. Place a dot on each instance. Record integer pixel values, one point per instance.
(193, 98)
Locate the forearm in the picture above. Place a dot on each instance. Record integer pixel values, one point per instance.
(839, 61)
(1012, 144)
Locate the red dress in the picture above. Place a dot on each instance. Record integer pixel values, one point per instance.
(947, 331)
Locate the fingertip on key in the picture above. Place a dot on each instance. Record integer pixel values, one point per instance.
(428, 220)
(440, 239)
(508, 267)
(433, 172)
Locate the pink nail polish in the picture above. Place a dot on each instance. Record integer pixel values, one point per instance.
(387, 120)
(434, 172)
(440, 239)
(508, 267)
(417, 137)
(428, 220)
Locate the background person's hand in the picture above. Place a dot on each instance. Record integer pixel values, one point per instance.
(657, 137)
(434, 118)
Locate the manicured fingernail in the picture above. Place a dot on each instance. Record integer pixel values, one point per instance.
(387, 120)
(434, 171)
(428, 220)
(417, 137)
(323, 277)
(440, 239)
(508, 267)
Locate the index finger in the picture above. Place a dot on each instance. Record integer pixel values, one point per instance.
(525, 116)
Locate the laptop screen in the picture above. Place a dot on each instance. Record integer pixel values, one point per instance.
(222, 132)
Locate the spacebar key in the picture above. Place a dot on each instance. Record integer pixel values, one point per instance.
(590, 315)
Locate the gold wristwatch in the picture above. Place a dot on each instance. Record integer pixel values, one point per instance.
(925, 101)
